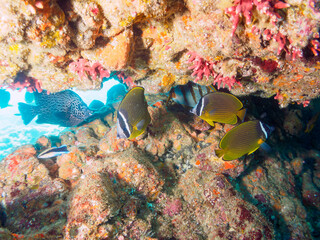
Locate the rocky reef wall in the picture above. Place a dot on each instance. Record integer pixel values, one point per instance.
(165, 184)
(265, 48)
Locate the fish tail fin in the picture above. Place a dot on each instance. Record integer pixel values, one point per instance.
(241, 114)
(219, 152)
(28, 112)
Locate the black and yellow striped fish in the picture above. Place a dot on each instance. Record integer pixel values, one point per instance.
(189, 94)
(243, 139)
(133, 116)
(219, 107)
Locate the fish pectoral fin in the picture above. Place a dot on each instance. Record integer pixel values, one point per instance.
(62, 115)
(266, 147)
(140, 124)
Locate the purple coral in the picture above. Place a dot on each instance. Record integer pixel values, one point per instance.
(83, 68)
(244, 7)
(126, 80)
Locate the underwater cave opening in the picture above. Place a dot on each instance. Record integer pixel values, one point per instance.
(15, 133)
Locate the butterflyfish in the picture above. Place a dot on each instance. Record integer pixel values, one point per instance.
(220, 107)
(243, 139)
(54, 152)
(132, 115)
(189, 94)
(312, 122)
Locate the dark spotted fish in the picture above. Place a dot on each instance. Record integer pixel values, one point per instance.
(54, 152)
(189, 94)
(219, 107)
(243, 139)
(133, 116)
(64, 108)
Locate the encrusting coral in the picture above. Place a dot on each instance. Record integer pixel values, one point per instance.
(250, 46)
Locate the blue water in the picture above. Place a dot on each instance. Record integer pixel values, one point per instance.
(14, 133)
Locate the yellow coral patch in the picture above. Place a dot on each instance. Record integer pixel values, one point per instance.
(15, 48)
(52, 39)
(168, 80)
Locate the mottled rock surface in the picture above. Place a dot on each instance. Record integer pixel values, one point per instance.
(166, 184)
(264, 47)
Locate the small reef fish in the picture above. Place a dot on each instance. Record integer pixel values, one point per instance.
(220, 107)
(64, 108)
(312, 122)
(116, 93)
(189, 94)
(243, 139)
(133, 116)
(54, 152)
(4, 98)
(95, 105)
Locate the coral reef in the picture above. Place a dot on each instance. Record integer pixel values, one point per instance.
(262, 47)
(167, 183)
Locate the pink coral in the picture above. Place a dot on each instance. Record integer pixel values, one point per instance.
(229, 81)
(304, 103)
(244, 7)
(83, 68)
(201, 67)
(281, 40)
(126, 80)
(315, 46)
(173, 207)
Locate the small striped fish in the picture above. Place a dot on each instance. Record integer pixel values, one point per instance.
(54, 152)
(189, 94)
